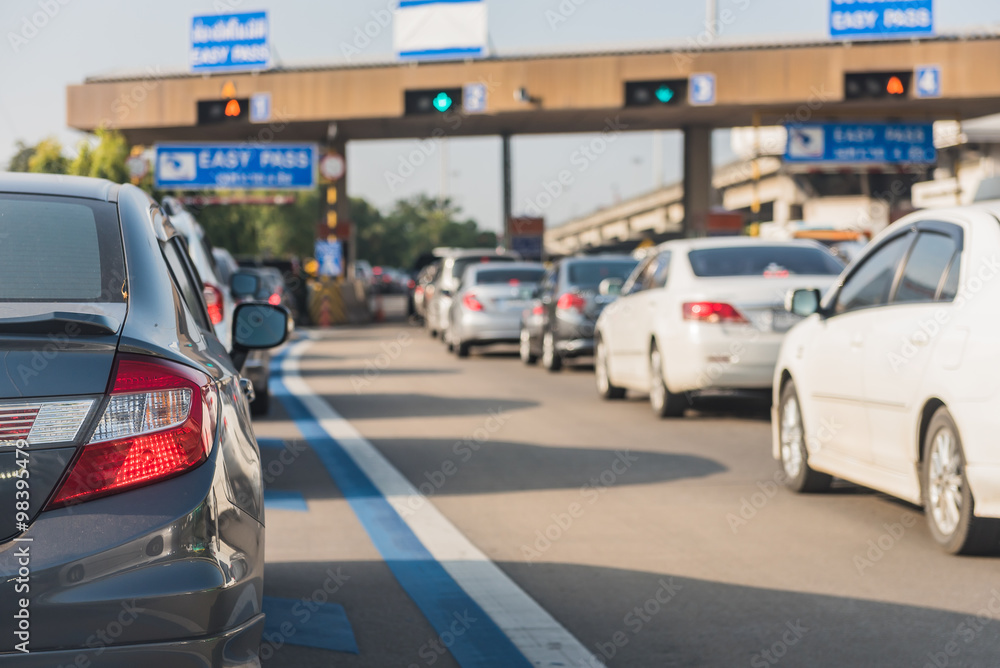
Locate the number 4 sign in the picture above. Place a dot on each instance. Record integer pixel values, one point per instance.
(928, 81)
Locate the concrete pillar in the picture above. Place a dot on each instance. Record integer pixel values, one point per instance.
(508, 204)
(697, 179)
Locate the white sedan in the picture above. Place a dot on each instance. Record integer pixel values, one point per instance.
(891, 382)
(704, 314)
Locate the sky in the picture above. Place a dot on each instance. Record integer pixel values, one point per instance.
(91, 37)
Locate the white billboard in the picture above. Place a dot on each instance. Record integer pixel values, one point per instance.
(440, 29)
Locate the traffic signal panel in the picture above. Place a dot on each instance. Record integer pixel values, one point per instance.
(433, 101)
(877, 85)
(212, 112)
(667, 92)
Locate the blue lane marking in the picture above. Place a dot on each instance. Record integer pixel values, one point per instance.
(472, 637)
(309, 624)
(279, 499)
(271, 443)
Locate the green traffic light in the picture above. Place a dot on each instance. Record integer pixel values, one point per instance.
(442, 102)
(664, 94)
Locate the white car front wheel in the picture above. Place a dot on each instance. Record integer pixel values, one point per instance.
(799, 476)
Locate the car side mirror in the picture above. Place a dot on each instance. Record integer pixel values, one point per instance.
(257, 326)
(803, 303)
(244, 284)
(610, 287)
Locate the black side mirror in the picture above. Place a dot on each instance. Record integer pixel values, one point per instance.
(803, 303)
(244, 284)
(257, 326)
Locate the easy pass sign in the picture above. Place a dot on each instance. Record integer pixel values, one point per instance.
(212, 166)
(881, 19)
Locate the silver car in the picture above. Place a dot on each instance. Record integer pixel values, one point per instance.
(487, 307)
(453, 263)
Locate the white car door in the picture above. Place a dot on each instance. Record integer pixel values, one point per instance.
(834, 360)
(625, 329)
(909, 329)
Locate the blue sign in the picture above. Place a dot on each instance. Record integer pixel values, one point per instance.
(528, 247)
(260, 107)
(474, 98)
(928, 81)
(702, 91)
(881, 19)
(864, 143)
(222, 42)
(330, 255)
(236, 166)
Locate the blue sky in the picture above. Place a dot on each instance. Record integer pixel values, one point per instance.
(87, 37)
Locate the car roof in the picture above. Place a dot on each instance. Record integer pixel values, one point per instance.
(685, 245)
(470, 252)
(60, 185)
(504, 266)
(617, 257)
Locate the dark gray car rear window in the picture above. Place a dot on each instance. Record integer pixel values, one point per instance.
(766, 261)
(60, 249)
(590, 274)
(501, 276)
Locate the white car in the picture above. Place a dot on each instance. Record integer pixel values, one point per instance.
(704, 314)
(891, 382)
(218, 299)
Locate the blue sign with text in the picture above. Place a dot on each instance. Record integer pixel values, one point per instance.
(221, 42)
(222, 166)
(881, 19)
(867, 143)
(330, 255)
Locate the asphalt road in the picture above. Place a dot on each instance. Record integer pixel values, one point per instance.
(654, 543)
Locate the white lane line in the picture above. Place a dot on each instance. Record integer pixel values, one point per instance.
(542, 640)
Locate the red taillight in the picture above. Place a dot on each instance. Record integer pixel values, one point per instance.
(214, 301)
(419, 290)
(274, 300)
(470, 302)
(159, 422)
(411, 284)
(570, 301)
(712, 312)
(538, 310)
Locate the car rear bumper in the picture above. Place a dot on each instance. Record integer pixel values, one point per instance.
(175, 564)
(711, 358)
(490, 327)
(235, 648)
(575, 347)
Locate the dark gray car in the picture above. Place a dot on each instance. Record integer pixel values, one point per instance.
(131, 502)
(559, 324)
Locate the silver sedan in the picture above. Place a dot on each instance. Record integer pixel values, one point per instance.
(487, 306)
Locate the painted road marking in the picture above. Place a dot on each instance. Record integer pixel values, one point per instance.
(309, 624)
(420, 545)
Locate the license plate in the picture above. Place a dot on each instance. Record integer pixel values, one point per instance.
(784, 321)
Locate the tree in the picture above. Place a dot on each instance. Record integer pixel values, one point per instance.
(109, 158)
(415, 226)
(48, 158)
(19, 162)
(84, 159)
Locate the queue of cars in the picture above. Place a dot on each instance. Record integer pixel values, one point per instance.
(880, 372)
(129, 454)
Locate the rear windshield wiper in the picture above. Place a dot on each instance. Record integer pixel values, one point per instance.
(60, 322)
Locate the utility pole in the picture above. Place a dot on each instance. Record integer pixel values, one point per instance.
(712, 18)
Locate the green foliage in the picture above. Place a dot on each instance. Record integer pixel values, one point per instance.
(48, 158)
(84, 159)
(413, 227)
(273, 230)
(108, 160)
(19, 162)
